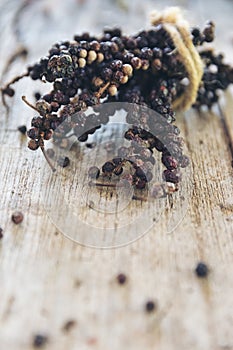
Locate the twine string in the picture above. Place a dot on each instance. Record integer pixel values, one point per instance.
(178, 28)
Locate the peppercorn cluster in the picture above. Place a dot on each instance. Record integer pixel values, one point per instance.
(143, 69)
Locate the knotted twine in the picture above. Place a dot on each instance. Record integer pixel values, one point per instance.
(178, 28)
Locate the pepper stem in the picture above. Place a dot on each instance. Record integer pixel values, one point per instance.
(101, 91)
(29, 104)
(47, 158)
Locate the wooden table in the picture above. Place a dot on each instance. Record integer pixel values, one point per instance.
(47, 279)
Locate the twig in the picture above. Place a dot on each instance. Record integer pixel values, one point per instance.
(47, 158)
(29, 104)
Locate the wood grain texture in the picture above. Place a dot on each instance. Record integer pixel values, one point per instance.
(46, 279)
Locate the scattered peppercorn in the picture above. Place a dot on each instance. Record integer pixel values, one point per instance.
(121, 278)
(40, 340)
(150, 306)
(22, 129)
(17, 217)
(202, 270)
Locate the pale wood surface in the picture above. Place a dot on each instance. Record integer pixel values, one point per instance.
(46, 279)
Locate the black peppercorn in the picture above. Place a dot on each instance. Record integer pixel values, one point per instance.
(37, 122)
(158, 53)
(117, 161)
(202, 270)
(150, 306)
(169, 161)
(208, 32)
(37, 96)
(33, 145)
(108, 167)
(33, 133)
(116, 65)
(22, 129)
(118, 76)
(40, 340)
(173, 176)
(136, 63)
(17, 217)
(121, 278)
(146, 53)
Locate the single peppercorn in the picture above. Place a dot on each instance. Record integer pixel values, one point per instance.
(201, 270)
(169, 161)
(208, 31)
(146, 53)
(37, 122)
(150, 306)
(48, 134)
(17, 217)
(116, 65)
(136, 63)
(22, 129)
(108, 167)
(117, 161)
(33, 145)
(33, 133)
(173, 176)
(40, 340)
(121, 278)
